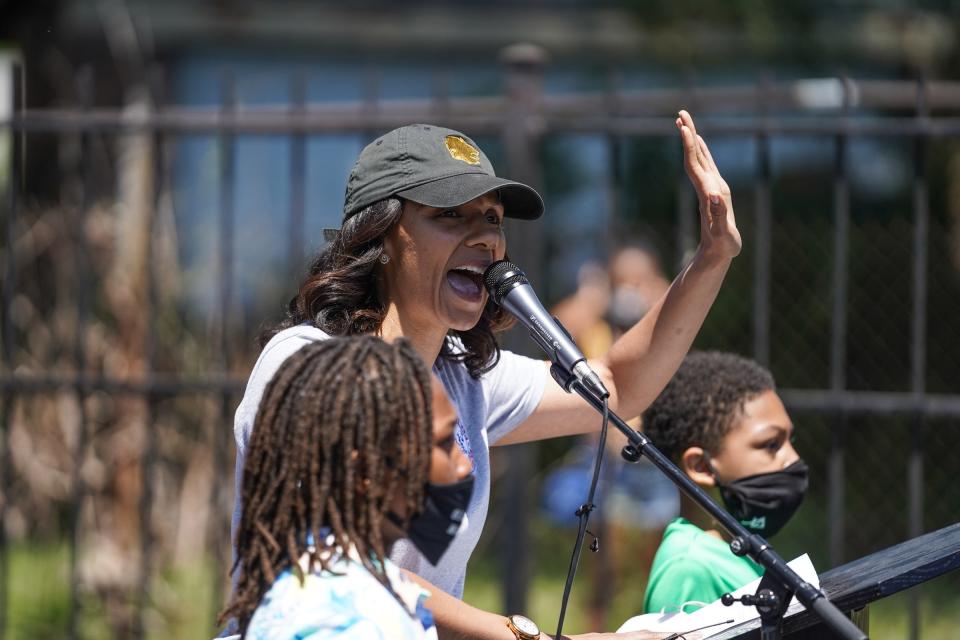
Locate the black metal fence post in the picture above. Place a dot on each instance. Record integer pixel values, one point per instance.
(298, 180)
(613, 234)
(223, 360)
(687, 206)
(838, 341)
(6, 339)
(686, 225)
(918, 341)
(763, 232)
(521, 138)
(149, 453)
(78, 204)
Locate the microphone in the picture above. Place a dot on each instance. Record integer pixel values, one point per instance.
(508, 287)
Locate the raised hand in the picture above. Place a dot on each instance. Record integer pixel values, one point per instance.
(719, 237)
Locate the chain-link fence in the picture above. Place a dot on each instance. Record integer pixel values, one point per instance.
(143, 248)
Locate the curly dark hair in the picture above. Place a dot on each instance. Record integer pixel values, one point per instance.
(339, 295)
(340, 417)
(703, 400)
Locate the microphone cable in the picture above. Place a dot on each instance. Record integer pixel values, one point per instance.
(583, 513)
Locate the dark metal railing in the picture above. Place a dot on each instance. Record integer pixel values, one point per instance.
(522, 118)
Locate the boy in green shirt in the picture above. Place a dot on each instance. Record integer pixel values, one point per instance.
(721, 420)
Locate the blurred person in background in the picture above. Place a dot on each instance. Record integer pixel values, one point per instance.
(609, 301)
(634, 501)
(422, 220)
(721, 421)
(352, 450)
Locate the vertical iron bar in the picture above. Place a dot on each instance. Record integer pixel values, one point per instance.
(686, 201)
(918, 350)
(613, 230)
(762, 252)
(521, 139)
(6, 339)
(298, 163)
(223, 359)
(148, 461)
(838, 343)
(603, 577)
(221, 515)
(82, 276)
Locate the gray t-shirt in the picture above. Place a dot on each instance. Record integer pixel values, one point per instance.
(487, 410)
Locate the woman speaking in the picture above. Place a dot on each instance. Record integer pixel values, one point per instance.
(422, 220)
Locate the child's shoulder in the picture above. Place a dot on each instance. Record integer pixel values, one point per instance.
(681, 533)
(688, 551)
(684, 543)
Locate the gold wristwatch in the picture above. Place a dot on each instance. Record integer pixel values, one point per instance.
(523, 627)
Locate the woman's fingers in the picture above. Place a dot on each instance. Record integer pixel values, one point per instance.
(712, 166)
(699, 162)
(690, 152)
(705, 152)
(689, 141)
(691, 160)
(687, 120)
(719, 234)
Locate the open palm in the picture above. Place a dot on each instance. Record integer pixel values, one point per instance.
(719, 236)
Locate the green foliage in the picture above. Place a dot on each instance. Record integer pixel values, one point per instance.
(181, 604)
(39, 599)
(39, 596)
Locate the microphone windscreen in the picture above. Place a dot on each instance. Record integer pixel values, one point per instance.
(501, 276)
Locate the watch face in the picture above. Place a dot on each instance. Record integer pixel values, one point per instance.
(525, 625)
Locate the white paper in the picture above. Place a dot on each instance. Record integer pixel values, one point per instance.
(715, 613)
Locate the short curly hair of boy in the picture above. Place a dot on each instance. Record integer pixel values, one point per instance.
(703, 400)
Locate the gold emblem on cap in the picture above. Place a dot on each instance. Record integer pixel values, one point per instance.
(462, 150)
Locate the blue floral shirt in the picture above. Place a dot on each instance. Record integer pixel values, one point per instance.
(347, 602)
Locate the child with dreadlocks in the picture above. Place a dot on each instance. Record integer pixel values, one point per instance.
(349, 453)
(721, 421)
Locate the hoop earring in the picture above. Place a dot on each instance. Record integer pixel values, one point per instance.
(384, 258)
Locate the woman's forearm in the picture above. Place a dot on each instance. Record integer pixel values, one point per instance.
(644, 359)
(457, 620)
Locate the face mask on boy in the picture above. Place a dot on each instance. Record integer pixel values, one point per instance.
(432, 530)
(764, 502)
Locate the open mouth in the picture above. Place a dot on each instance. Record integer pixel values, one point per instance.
(466, 282)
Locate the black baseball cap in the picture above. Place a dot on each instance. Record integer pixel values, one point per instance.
(434, 166)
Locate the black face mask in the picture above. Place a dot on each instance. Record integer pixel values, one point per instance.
(764, 502)
(432, 530)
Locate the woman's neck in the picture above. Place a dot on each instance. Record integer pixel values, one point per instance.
(426, 341)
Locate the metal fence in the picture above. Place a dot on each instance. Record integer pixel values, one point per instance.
(191, 403)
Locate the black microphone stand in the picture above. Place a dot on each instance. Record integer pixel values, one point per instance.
(779, 582)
